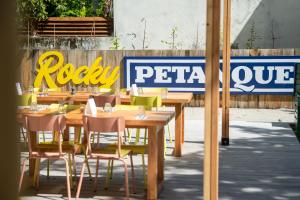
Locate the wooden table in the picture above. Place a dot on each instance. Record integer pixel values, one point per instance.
(154, 122)
(176, 99)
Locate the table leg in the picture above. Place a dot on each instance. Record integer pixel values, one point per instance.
(160, 155)
(178, 130)
(152, 163)
(182, 125)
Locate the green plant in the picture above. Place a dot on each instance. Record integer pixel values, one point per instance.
(253, 37)
(116, 44)
(144, 46)
(66, 8)
(36, 10)
(173, 35)
(31, 9)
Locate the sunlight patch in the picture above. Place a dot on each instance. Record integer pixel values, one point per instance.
(252, 189)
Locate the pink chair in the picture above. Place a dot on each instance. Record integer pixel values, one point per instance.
(51, 123)
(100, 100)
(112, 152)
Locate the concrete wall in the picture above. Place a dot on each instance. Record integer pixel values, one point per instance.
(277, 19)
(148, 24)
(276, 24)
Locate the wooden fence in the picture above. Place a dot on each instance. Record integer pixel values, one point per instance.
(71, 26)
(28, 58)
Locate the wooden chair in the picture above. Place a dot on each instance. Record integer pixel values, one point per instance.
(100, 100)
(105, 124)
(53, 123)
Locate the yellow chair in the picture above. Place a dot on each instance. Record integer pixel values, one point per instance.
(162, 92)
(148, 102)
(155, 90)
(54, 89)
(132, 146)
(24, 100)
(36, 90)
(105, 90)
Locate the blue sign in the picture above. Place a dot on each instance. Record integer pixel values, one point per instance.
(248, 75)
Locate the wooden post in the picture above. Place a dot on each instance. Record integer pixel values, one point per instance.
(226, 72)
(211, 153)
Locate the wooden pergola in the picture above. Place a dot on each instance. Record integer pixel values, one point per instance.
(211, 143)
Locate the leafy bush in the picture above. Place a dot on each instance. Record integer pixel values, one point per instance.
(36, 10)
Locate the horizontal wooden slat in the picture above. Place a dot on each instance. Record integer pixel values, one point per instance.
(74, 28)
(75, 24)
(72, 31)
(70, 26)
(76, 19)
(74, 34)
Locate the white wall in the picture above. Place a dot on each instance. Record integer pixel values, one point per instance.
(161, 16)
(189, 16)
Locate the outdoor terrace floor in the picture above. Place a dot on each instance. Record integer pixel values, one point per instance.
(261, 163)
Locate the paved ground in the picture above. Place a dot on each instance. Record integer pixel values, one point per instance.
(262, 162)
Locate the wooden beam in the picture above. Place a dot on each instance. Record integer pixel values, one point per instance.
(211, 153)
(226, 72)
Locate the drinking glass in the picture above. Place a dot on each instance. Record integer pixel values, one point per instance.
(94, 89)
(117, 92)
(140, 91)
(33, 106)
(45, 91)
(107, 107)
(141, 112)
(30, 90)
(164, 93)
(61, 108)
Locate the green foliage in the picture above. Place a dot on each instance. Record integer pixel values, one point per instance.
(31, 9)
(173, 35)
(115, 43)
(36, 10)
(66, 8)
(250, 44)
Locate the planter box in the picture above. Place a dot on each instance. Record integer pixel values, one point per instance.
(73, 26)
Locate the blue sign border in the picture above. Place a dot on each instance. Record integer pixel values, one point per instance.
(297, 58)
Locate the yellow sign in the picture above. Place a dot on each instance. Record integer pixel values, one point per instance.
(95, 75)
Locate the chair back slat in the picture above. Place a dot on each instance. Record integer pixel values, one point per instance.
(103, 124)
(45, 123)
(52, 123)
(147, 101)
(100, 100)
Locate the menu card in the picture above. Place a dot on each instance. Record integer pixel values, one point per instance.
(91, 108)
(19, 89)
(134, 90)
